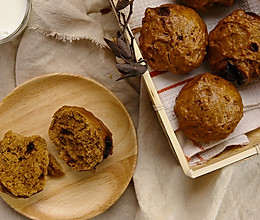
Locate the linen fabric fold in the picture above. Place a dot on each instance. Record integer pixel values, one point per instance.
(69, 20)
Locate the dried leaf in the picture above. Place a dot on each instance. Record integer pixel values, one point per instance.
(121, 4)
(113, 46)
(123, 77)
(132, 69)
(105, 10)
(124, 49)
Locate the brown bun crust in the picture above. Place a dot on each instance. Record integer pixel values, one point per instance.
(204, 5)
(234, 47)
(54, 167)
(208, 108)
(173, 38)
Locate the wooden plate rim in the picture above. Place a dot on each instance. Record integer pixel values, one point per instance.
(134, 156)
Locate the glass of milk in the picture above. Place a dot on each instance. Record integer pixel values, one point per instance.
(14, 16)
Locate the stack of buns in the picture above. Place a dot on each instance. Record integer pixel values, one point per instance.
(174, 38)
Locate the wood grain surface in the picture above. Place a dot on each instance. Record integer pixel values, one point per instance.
(28, 110)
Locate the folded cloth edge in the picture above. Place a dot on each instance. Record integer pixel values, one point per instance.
(63, 37)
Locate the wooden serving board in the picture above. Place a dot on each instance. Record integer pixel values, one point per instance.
(28, 110)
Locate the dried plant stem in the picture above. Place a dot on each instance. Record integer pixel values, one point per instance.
(123, 49)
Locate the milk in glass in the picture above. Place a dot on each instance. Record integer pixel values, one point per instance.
(12, 13)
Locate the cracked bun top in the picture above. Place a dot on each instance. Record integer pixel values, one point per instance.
(204, 5)
(208, 108)
(234, 47)
(173, 38)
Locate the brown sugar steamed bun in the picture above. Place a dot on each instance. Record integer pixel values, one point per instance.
(82, 139)
(54, 168)
(173, 38)
(204, 5)
(23, 164)
(208, 108)
(234, 47)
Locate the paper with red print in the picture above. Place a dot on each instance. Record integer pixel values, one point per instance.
(168, 87)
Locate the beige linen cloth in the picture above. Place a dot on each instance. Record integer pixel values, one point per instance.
(66, 36)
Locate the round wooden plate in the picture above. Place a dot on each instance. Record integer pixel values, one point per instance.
(28, 110)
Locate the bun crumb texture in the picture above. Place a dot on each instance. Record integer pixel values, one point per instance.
(82, 139)
(23, 164)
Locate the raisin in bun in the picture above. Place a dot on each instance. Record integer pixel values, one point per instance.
(234, 47)
(208, 108)
(204, 5)
(173, 38)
